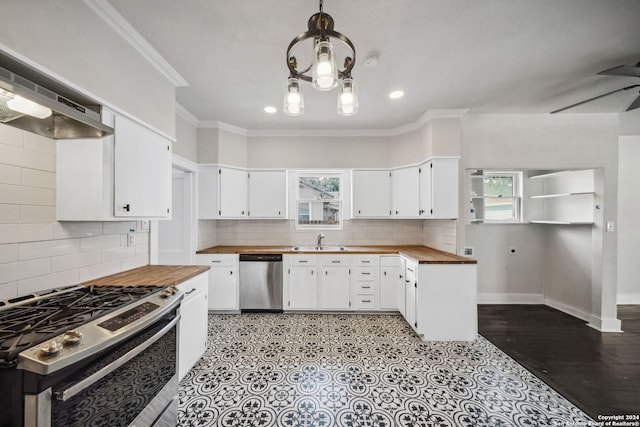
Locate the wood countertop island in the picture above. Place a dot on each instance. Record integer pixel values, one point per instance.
(151, 275)
(419, 254)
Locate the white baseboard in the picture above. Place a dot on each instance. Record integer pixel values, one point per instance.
(502, 298)
(568, 309)
(605, 325)
(628, 299)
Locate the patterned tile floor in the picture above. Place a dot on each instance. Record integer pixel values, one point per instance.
(358, 370)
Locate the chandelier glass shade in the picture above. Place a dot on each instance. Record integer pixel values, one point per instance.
(322, 72)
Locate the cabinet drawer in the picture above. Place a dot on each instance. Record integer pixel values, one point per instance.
(390, 261)
(364, 288)
(333, 260)
(363, 274)
(302, 259)
(214, 260)
(367, 260)
(364, 302)
(411, 271)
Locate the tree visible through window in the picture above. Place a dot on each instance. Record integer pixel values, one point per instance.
(495, 196)
(319, 201)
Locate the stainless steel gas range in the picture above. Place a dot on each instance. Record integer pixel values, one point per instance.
(80, 356)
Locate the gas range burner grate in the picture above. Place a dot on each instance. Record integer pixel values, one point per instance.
(28, 321)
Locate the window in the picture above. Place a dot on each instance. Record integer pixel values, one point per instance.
(496, 197)
(319, 201)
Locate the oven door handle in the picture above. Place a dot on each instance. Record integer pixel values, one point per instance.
(69, 392)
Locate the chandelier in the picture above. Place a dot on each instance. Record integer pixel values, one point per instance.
(322, 72)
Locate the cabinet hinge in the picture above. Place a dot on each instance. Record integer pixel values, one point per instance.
(219, 212)
(349, 271)
(168, 210)
(389, 174)
(416, 324)
(431, 211)
(289, 303)
(419, 170)
(415, 285)
(248, 174)
(248, 213)
(219, 171)
(431, 165)
(349, 303)
(168, 148)
(289, 271)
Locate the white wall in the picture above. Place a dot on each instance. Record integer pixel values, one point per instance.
(553, 142)
(186, 144)
(70, 40)
(628, 220)
(232, 148)
(38, 253)
(207, 145)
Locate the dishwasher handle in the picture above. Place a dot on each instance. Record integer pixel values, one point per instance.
(260, 257)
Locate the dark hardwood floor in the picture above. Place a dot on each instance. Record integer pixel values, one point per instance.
(597, 372)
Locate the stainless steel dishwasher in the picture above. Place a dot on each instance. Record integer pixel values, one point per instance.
(260, 283)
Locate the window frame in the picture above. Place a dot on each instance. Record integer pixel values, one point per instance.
(516, 197)
(339, 200)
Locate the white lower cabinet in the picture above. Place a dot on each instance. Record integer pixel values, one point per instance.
(365, 282)
(333, 282)
(223, 281)
(192, 329)
(389, 278)
(303, 292)
(410, 297)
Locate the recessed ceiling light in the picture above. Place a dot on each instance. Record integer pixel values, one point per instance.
(396, 94)
(269, 109)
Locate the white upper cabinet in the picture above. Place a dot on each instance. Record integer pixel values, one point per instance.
(371, 194)
(143, 171)
(234, 190)
(267, 194)
(123, 175)
(405, 190)
(445, 186)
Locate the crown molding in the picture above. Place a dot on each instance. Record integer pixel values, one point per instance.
(111, 16)
(337, 133)
(214, 124)
(186, 114)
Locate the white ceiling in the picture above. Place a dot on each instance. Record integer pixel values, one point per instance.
(489, 56)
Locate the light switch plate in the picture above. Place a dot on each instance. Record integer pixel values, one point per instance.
(144, 224)
(611, 226)
(130, 239)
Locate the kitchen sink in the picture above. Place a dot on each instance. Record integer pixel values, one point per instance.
(319, 249)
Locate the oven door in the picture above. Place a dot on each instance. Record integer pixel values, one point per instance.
(133, 384)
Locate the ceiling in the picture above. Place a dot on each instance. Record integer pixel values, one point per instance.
(488, 56)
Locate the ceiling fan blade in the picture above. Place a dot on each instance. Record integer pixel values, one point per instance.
(622, 70)
(596, 97)
(635, 104)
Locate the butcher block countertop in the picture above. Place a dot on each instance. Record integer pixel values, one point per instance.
(419, 254)
(151, 275)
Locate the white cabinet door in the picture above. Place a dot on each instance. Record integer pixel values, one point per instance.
(371, 194)
(333, 288)
(405, 193)
(303, 287)
(142, 171)
(267, 194)
(426, 190)
(389, 277)
(223, 288)
(234, 187)
(445, 188)
(411, 280)
(192, 331)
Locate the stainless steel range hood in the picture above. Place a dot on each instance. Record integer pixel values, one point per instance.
(73, 115)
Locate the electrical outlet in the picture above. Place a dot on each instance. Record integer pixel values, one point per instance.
(513, 250)
(468, 251)
(144, 224)
(611, 226)
(131, 239)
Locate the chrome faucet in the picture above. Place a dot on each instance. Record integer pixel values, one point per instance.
(320, 237)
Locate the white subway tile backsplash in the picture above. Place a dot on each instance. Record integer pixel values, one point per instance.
(9, 214)
(21, 195)
(39, 143)
(13, 271)
(49, 281)
(118, 253)
(10, 135)
(48, 248)
(8, 290)
(75, 261)
(36, 178)
(67, 230)
(37, 214)
(9, 253)
(135, 262)
(100, 242)
(15, 233)
(18, 156)
(10, 174)
(98, 270)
